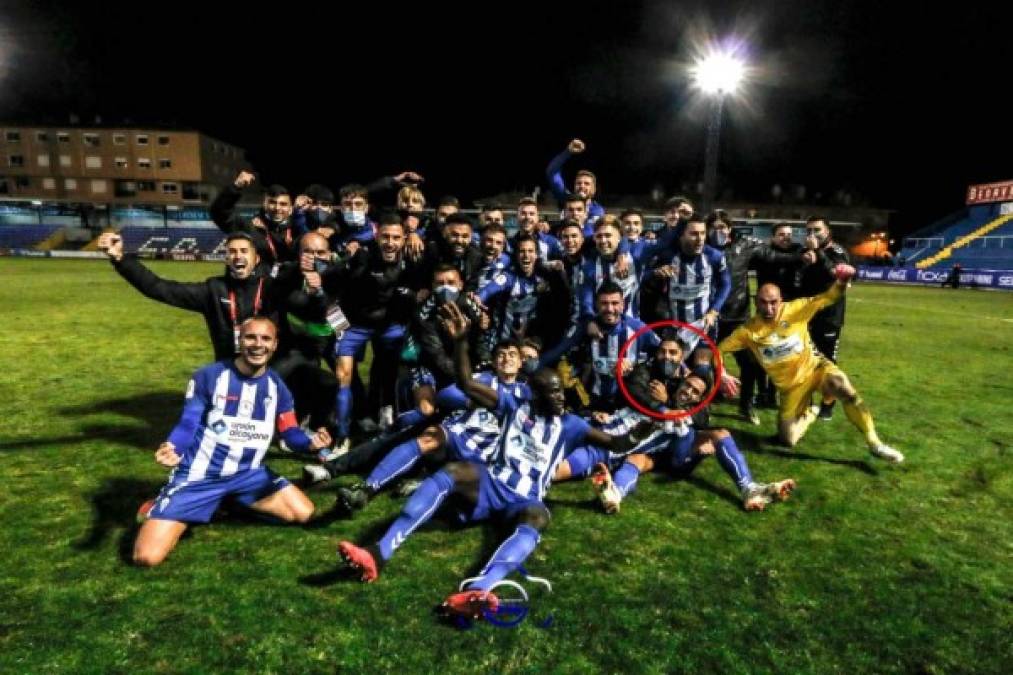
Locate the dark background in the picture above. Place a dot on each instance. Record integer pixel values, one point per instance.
(900, 104)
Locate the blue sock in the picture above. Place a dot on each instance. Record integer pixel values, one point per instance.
(626, 478)
(419, 508)
(583, 459)
(343, 409)
(732, 461)
(509, 556)
(409, 419)
(397, 461)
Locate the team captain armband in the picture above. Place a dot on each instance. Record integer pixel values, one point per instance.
(286, 421)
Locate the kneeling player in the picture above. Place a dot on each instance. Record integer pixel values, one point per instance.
(536, 436)
(678, 448)
(778, 337)
(216, 449)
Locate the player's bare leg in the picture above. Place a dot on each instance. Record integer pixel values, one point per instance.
(791, 431)
(289, 504)
(155, 540)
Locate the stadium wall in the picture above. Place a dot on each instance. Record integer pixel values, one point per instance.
(976, 278)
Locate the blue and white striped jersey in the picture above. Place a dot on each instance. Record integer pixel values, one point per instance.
(701, 282)
(518, 302)
(479, 428)
(490, 271)
(228, 421)
(660, 439)
(603, 354)
(596, 271)
(532, 446)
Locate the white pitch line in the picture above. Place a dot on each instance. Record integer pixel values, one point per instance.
(927, 309)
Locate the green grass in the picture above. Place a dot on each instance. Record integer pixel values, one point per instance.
(868, 568)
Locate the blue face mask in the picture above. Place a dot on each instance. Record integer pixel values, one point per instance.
(445, 294)
(353, 217)
(530, 366)
(719, 239)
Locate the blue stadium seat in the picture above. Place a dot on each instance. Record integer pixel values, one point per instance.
(25, 236)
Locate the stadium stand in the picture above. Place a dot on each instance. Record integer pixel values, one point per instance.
(25, 236)
(977, 236)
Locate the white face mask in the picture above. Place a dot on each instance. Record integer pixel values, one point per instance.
(353, 217)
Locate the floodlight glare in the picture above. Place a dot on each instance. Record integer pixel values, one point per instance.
(718, 73)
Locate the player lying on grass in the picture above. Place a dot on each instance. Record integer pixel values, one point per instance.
(778, 337)
(469, 435)
(535, 437)
(216, 449)
(676, 448)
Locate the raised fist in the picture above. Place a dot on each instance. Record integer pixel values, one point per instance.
(112, 244)
(576, 146)
(244, 179)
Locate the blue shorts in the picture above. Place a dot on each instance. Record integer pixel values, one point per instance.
(494, 498)
(386, 340)
(197, 501)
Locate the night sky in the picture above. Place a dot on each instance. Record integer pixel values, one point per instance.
(901, 106)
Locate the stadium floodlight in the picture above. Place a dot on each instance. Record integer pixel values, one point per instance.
(717, 74)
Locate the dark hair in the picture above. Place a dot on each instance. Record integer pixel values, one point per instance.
(585, 172)
(388, 217)
(494, 227)
(574, 197)
(276, 191)
(608, 222)
(446, 267)
(505, 344)
(319, 193)
(491, 207)
(522, 238)
(631, 212)
(716, 215)
(705, 373)
(353, 190)
(813, 219)
(458, 219)
(778, 226)
(570, 222)
(532, 341)
(676, 202)
(527, 201)
(449, 200)
(608, 288)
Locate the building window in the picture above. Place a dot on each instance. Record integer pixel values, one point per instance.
(43, 160)
(41, 137)
(70, 183)
(144, 162)
(119, 139)
(142, 139)
(170, 188)
(49, 183)
(145, 186)
(23, 181)
(98, 187)
(4, 187)
(91, 140)
(125, 188)
(63, 137)
(16, 160)
(93, 162)
(122, 162)
(64, 160)
(163, 140)
(165, 164)
(191, 191)
(13, 136)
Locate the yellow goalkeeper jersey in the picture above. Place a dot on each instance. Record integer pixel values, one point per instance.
(782, 345)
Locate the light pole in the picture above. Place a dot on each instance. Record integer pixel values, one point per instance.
(716, 75)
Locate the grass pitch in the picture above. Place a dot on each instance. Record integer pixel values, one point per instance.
(868, 568)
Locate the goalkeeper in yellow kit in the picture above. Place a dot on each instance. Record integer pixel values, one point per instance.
(778, 337)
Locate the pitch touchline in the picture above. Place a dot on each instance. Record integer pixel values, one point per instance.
(937, 311)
